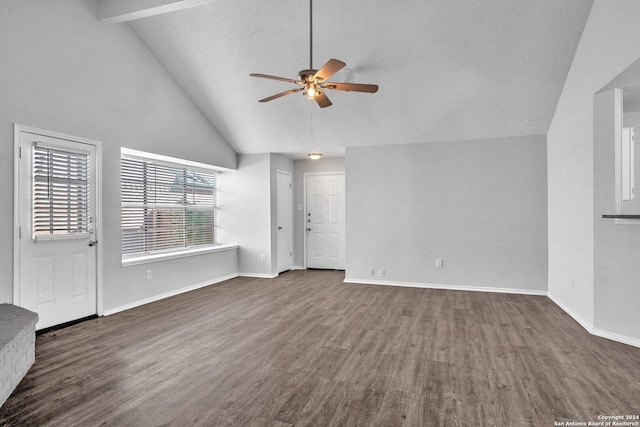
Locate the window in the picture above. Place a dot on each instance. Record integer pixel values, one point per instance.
(168, 206)
(60, 193)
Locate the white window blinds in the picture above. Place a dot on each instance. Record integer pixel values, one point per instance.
(60, 192)
(166, 207)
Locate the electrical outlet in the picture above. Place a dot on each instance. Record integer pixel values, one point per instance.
(439, 263)
(381, 272)
(263, 257)
(372, 272)
(148, 274)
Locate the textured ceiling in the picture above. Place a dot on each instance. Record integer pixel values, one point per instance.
(447, 70)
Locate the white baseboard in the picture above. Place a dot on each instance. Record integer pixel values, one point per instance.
(297, 267)
(110, 311)
(581, 320)
(258, 275)
(593, 330)
(616, 337)
(447, 287)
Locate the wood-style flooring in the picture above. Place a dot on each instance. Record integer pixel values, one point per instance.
(305, 349)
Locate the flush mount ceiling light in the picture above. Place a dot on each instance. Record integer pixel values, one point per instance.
(314, 155)
(312, 81)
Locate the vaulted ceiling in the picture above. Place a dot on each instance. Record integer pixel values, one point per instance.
(447, 70)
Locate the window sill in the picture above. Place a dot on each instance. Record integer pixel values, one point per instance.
(623, 219)
(173, 255)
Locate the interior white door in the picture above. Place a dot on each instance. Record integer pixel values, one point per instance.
(325, 221)
(56, 213)
(284, 221)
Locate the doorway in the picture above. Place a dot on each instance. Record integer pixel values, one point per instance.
(284, 194)
(324, 220)
(58, 225)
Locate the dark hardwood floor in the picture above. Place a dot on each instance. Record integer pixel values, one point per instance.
(307, 350)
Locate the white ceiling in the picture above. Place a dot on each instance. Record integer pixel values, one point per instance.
(447, 70)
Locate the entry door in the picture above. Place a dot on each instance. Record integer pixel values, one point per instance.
(57, 228)
(325, 221)
(285, 221)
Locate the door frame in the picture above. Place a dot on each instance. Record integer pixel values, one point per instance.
(304, 206)
(280, 171)
(17, 131)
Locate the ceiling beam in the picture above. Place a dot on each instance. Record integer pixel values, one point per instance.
(117, 11)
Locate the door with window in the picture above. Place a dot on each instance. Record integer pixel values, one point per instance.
(57, 246)
(325, 221)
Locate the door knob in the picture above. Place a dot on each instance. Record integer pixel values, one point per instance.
(279, 228)
(93, 242)
(308, 228)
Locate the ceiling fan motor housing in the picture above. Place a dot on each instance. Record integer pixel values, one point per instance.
(306, 76)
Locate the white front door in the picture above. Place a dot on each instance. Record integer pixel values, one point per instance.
(325, 221)
(57, 247)
(285, 221)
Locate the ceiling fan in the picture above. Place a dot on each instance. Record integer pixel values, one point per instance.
(312, 82)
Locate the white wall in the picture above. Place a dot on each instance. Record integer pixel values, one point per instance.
(248, 213)
(301, 167)
(251, 211)
(64, 71)
(609, 44)
(617, 246)
(478, 205)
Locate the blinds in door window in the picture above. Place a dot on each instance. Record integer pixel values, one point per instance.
(60, 192)
(165, 207)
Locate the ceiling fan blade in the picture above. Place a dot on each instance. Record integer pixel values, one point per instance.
(281, 94)
(351, 87)
(282, 79)
(329, 69)
(322, 99)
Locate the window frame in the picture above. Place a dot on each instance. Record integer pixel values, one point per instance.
(176, 252)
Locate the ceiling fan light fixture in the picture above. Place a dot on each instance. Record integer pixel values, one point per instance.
(315, 155)
(312, 90)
